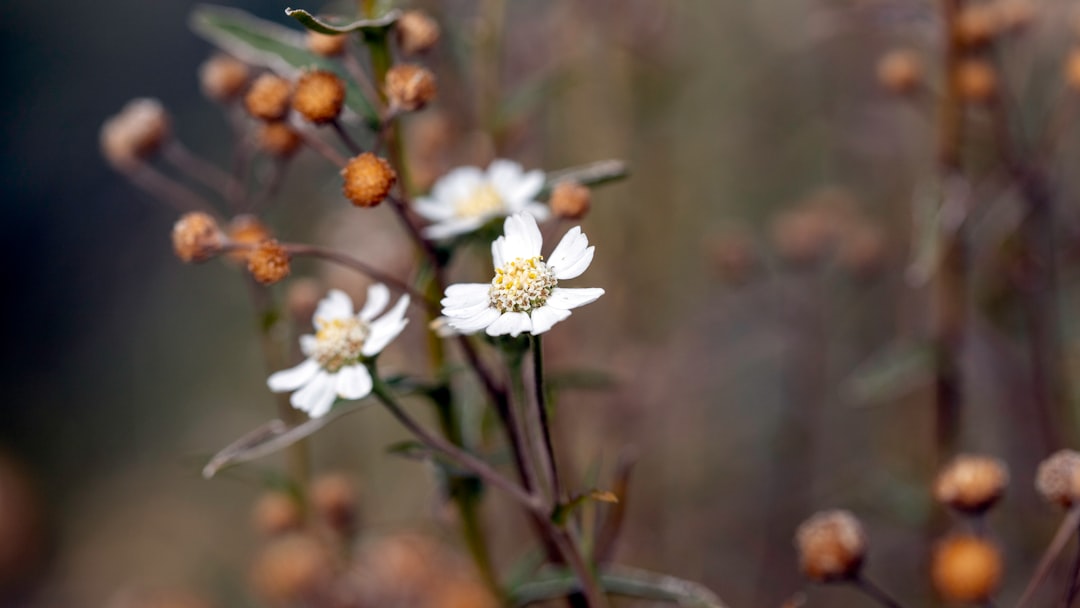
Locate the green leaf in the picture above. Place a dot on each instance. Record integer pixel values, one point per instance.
(322, 26)
(266, 44)
(563, 511)
(592, 174)
(271, 437)
(890, 373)
(620, 580)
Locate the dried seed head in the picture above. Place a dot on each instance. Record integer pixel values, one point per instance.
(222, 78)
(832, 545)
(977, 80)
(971, 484)
(966, 569)
(409, 87)
(268, 262)
(319, 96)
(900, 71)
(977, 24)
(416, 32)
(268, 98)
(276, 513)
(136, 133)
(1058, 478)
(278, 139)
(368, 180)
(302, 298)
(570, 200)
(334, 498)
(246, 230)
(1072, 70)
(196, 237)
(292, 569)
(327, 45)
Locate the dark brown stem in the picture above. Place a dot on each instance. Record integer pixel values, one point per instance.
(166, 189)
(346, 139)
(200, 170)
(1061, 538)
(874, 592)
(1074, 574)
(542, 413)
(322, 148)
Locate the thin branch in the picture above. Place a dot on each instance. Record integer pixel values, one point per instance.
(874, 592)
(199, 169)
(545, 424)
(346, 139)
(1061, 538)
(168, 190)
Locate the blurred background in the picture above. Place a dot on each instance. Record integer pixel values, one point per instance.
(764, 326)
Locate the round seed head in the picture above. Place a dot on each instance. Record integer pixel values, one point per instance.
(276, 513)
(977, 80)
(268, 263)
(416, 32)
(409, 87)
(246, 230)
(327, 45)
(222, 78)
(278, 139)
(966, 569)
(832, 546)
(136, 134)
(900, 71)
(292, 569)
(1072, 70)
(977, 24)
(196, 237)
(971, 484)
(1058, 478)
(268, 98)
(570, 200)
(334, 499)
(368, 180)
(319, 96)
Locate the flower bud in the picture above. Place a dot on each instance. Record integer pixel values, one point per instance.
(292, 570)
(268, 263)
(136, 133)
(409, 87)
(1058, 478)
(832, 546)
(368, 180)
(268, 97)
(966, 569)
(327, 45)
(196, 237)
(278, 139)
(246, 230)
(1072, 70)
(977, 80)
(570, 200)
(276, 513)
(900, 71)
(977, 24)
(319, 96)
(416, 32)
(971, 484)
(334, 499)
(222, 78)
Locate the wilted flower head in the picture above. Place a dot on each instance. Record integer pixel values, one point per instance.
(524, 296)
(467, 197)
(1058, 478)
(832, 545)
(268, 97)
(410, 87)
(222, 78)
(570, 200)
(416, 32)
(971, 483)
(268, 262)
(367, 180)
(196, 237)
(319, 96)
(136, 133)
(335, 354)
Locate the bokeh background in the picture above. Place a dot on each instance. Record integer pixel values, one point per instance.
(757, 263)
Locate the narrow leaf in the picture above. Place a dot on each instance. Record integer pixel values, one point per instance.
(322, 26)
(266, 44)
(593, 174)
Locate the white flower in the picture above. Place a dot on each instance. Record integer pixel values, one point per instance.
(467, 197)
(334, 366)
(524, 296)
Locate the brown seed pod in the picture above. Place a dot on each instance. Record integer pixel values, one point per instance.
(966, 569)
(977, 80)
(368, 180)
(268, 263)
(1058, 478)
(222, 78)
(278, 139)
(268, 98)
(246, 230)
(832, 546)
(1072, 70)
(327, 45)
(416, 32)
(570, 200)
(334, 498)
(977, 24)
(292, 569)
(136, 133)
(276, 513)
(971, 483)
(900, 71)
(409, 87)
(319, 96)
(196, 237)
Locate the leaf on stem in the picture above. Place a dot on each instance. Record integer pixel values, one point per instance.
(620, 580)
(592, 174)
(322, 26)
(266, 44)
(271, 437)
(563, 511)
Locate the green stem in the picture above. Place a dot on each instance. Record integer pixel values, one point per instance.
(542, 411)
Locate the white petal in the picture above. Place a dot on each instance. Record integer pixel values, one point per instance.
(386, 328)
(378, 296)
(523, 238)
(336, 305)
(498, 252)
(513, 323)
(575, 269)
(465, 310)
(527, 187)
(471, 291)
(433, 209)
(567, 298)
(546, 316)
(569, 250)
(453, 227)
(538, 210)
(293, 378)
(475, 323)
(457, 184)
(307, 344)
(317, 395)
(505, 176)
(353, 382)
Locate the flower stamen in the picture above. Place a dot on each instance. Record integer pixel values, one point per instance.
(484, 200)
(339, 342)
(521, 285)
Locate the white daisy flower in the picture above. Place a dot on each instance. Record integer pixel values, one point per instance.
(335, 354)
(524, 296)
(467, 197)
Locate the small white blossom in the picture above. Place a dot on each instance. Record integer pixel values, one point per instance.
(335, 354)
(467, 197)
(524, 296)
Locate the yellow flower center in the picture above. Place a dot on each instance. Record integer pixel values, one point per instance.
(521, 285)
(484, 200)
(338, 342)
